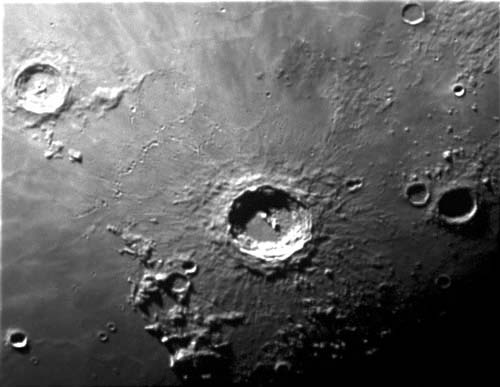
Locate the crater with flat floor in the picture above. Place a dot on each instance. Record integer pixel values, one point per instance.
(417, 193)
(413, 13)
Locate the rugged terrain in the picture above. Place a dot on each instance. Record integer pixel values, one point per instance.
(249, 193)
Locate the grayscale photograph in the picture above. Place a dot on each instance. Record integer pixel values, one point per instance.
(250, 193)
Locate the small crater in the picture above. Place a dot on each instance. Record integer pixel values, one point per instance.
(443, 281)
(16, 338)
(354, 184)
(413, 13)
(261, 373)
(111, 326)
(269, 223)
(102, 336)
(282, 367)
(417, 194)
(40, 89)
(176, 283)
(457, 206)
(458, 90)
(189, 267)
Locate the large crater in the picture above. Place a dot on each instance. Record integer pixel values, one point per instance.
(269, 223)
(40, 89)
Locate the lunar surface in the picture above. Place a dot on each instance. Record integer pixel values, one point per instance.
(250, 194)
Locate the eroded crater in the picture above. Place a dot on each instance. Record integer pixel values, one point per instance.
(269, 223)
(443, 281)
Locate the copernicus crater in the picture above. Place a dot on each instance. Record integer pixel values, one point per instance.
(268, 223)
